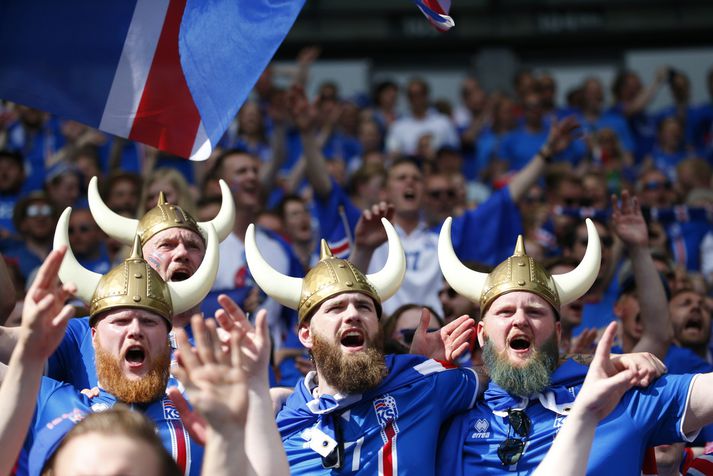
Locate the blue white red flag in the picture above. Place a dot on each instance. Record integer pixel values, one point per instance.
(436, 12)
(168, 73)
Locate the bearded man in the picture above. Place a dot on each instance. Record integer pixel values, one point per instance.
(361, 411)
(130, 310)
(531, 393)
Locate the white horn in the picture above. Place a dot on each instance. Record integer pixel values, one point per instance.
(574, 284)
(223, 221)
(187, 294)
(462, 279)
(113, 224)
(284, 289)
(388, 280)
(70, 271)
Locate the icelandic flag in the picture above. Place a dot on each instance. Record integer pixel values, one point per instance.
(436, 12)
(168, 73)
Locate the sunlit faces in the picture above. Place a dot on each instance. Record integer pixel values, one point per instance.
(98, 454)
(348, 319)
(517, 323)
(137, 337)
(691, 319)
(175, 253)
(241, 172)
(404, 187)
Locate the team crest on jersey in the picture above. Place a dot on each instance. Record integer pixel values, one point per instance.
(170, 412)
(386, 410)
(481, 428)
(99, 407)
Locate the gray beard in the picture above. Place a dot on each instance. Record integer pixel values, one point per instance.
(524, 381)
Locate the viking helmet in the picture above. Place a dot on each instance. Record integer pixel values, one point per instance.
(520, 272)
(163, 216)
(134, 283)
(329, 277)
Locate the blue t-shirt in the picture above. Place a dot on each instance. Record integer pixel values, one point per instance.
(61, 406)
(392, 429)
(644, 418)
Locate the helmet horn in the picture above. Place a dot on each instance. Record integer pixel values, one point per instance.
(574, 284)
(462, 279)
(389, 278)
(70, 270)
(113, 224)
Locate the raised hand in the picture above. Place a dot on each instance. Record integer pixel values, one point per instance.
(369, 232)
(44, 314)
(212, 375)
(255, 348)
(561, 135)
(629, 223)
(302, 113)
(605, 384)
(448, 344)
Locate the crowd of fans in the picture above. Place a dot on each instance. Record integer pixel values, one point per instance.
(502, 163)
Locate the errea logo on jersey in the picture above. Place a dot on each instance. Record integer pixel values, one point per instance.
(386, 410)
(481, 429)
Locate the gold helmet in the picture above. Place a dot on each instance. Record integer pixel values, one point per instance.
(134, 283)
(329, 277)
(520, 272)
(163, 216)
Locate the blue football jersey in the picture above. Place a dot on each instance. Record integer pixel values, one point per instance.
(61, 406)
(644, 418)
(392, 429)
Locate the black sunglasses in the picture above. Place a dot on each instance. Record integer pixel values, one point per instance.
(409, 333)
(335, 459)
(510, 451)
(441, 194)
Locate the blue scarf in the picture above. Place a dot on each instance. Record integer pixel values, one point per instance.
(302, 410)
(556, 397)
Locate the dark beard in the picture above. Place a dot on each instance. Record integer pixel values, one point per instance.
(524, 381)
(350, 373)
(148, 388)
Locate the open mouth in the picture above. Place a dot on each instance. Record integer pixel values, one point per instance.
(352, 338)
(180, 275)
(135, 355)
(410, 195)
(693, 324)
(520, 343)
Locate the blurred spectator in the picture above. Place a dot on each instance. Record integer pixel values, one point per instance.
(87, 241)
(385, 98)
(34, 219)
(405, 133)
(439, 199)
(88, 162)
(670, 148)
(455, 305)
(596, 192)
(248, 132)
(691, 319)
(487, 144)
(297, 223)
(593, 117)
(122, 193)
(681, 109)
(654, 189)
(692, 173)
(174, 187)
(399, 328)
(63, 184)
(12, 181)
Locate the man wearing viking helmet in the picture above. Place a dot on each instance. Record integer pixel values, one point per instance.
(174, 245)
(130, 311)
(531, 393)
(360, 409)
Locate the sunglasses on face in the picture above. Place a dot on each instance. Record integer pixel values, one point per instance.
(408, 334)
(606, 241)
(79, 229)
(510, 451)
(39, 211)
(656, 185)
(441, 194)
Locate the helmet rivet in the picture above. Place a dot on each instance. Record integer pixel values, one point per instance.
(341, 265)
(137, 275)
(520, 263)
(349, 283)
(137, 298)
(521, 283)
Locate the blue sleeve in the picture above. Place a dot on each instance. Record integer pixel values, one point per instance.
(456, 389)
(658, 410)
(66, 361)
(487, 234)
(449, 459)
(335, 213)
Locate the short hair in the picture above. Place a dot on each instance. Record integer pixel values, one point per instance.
(119, 420)
(218, 165)
(363, 174)
(279, 209)
(116, 177)
(13, 155)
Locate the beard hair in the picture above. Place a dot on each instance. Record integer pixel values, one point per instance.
(526, 380)
(350, 373)
(146, 389)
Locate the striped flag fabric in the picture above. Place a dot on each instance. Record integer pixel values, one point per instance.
(168, 73)
(436, 12)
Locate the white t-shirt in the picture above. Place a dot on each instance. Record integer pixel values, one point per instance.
(405, 133)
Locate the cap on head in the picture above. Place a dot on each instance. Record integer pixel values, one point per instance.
(328, 278)
(519, 273)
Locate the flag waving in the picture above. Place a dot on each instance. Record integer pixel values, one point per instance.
(436, 12)
(168, 73)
